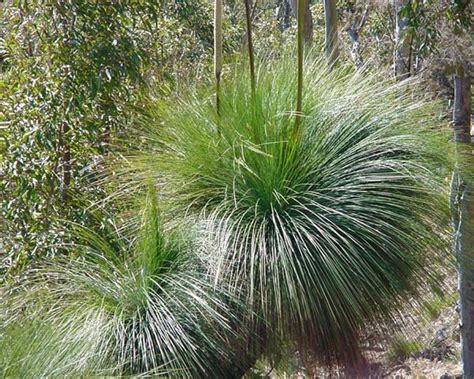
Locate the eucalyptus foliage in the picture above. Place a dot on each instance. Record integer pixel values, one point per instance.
(145, 307)
(328, 229)
(70, 73)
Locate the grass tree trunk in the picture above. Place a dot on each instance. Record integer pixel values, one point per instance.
(464, 220)
(401, 51)
(331, 43)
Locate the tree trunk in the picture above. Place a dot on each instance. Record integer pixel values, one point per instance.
(286, 14)
(462, 105)
(66, 163)
(331, 42)
(465, 252)
(401, 51)
(464, 219)
(353, 32)
(308, 19)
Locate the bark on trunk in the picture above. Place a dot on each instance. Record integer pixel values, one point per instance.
(462, 105)
(331, 42)
(463, 219)
(353, 32)
(465, 251)
(286, 14)
(308, 19)
(401, 51)
(66, 164)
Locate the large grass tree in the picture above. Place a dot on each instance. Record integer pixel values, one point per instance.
(324, 230)
(324, 219)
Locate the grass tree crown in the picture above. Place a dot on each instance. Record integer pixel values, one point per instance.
(140, 308)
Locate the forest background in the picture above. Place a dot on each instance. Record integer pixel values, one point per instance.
(77, 77)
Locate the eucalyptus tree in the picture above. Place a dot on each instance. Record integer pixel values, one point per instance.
(463, 188)
(401, 53)
(354, 31)
(463, 181)
(458, 47)
(331, 36)
(307, 17)
(73, 71)
(71, 64)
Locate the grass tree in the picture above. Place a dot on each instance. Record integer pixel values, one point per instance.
(324, 233)
(139, 308)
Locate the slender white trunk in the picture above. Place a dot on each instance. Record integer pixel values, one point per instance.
(465, 251)
(401, 51)
(464, 218)
(353, 32)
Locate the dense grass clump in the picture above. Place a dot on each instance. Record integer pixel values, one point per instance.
(144, 307)
(327, 228)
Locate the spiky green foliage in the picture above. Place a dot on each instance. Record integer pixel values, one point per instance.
(148, 309)
(327, 230)
(402, 348)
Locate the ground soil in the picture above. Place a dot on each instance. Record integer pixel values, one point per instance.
(437, 355)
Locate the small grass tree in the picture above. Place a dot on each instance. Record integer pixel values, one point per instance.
(145, 307)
